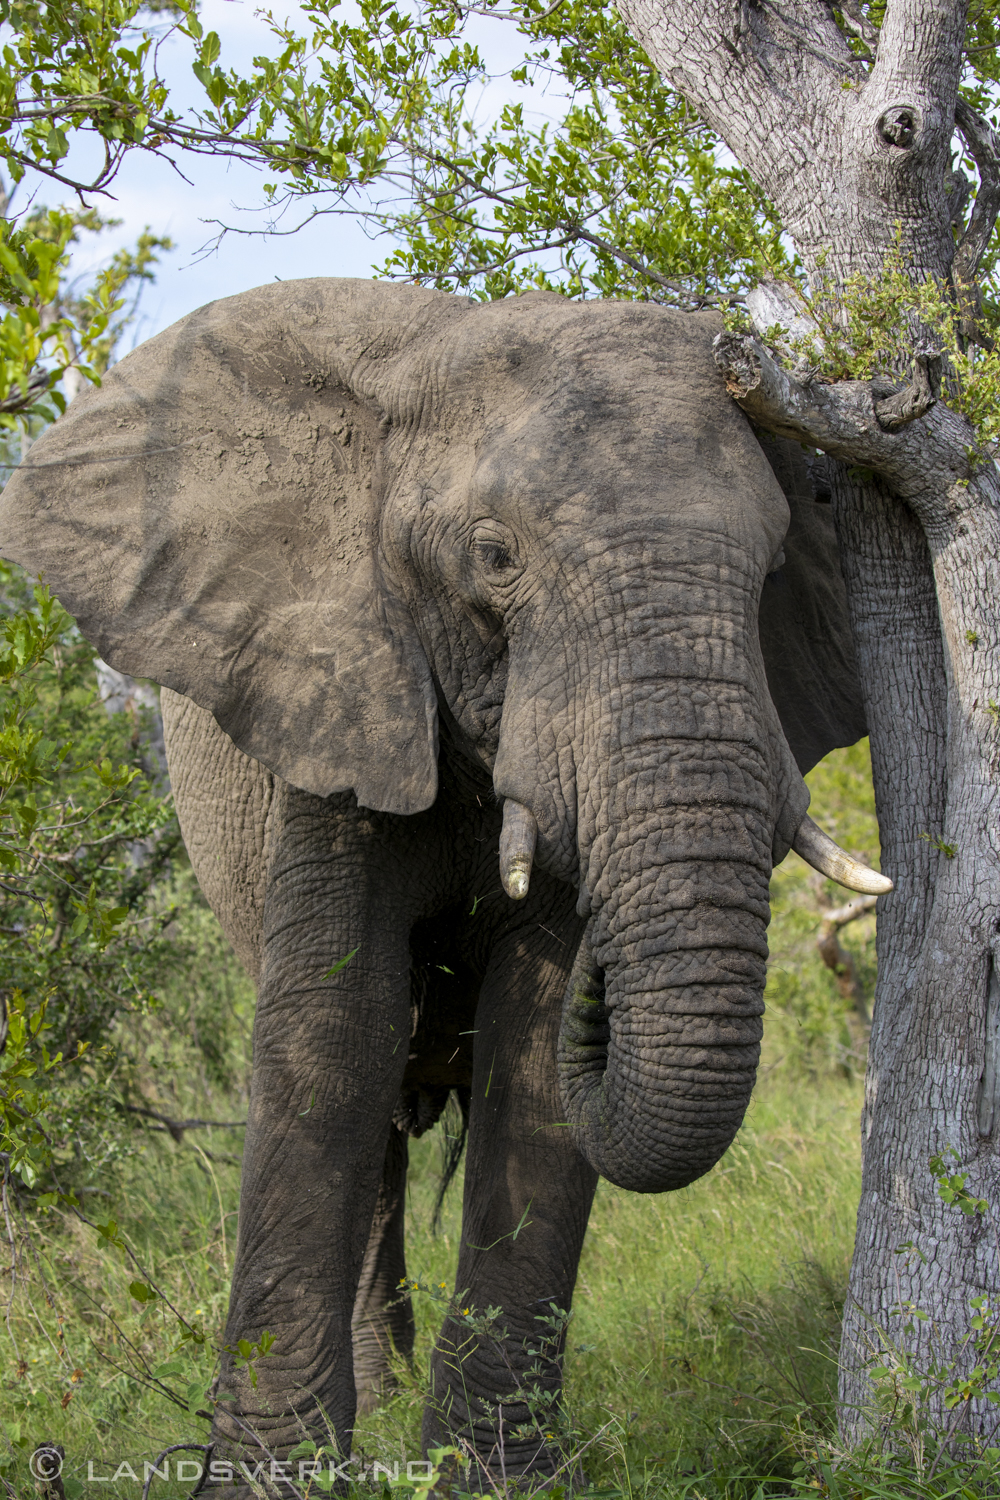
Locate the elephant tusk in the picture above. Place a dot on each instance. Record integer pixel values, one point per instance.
(818, 849)
(517, 849)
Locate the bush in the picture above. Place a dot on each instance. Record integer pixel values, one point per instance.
(85, 839)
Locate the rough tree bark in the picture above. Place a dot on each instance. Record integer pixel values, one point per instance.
(856, 154)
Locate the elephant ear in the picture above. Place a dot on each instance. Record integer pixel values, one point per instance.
(210, 515)
(805, 628)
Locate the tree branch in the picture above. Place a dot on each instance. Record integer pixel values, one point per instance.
(840, 960)
(698, 299)
(38, 384)
(839, 916)
(922, 461)
(859, 24)
(176, 1128)
(984, 148)
(920, 51)
(573, 232)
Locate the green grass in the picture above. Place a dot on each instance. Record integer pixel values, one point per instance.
(702, 1346)
(705, 1321)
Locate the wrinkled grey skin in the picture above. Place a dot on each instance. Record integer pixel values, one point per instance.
(417, 556)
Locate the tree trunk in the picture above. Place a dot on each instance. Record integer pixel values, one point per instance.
(931, 1083)
(857, 158)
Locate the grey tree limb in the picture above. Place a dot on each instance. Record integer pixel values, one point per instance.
(984, 148)
(868, 423)
(176, 1128)
(754, 73)
(920, 51)
(843, 150)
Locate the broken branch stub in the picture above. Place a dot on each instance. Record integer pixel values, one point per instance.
(913, 401)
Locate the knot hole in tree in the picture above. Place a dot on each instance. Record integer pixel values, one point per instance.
(898, 126)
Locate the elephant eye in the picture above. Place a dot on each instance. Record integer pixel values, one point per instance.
(495, 556)
(494, 551)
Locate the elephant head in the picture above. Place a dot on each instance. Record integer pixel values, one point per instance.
(338, 514)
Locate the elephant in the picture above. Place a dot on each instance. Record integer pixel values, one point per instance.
(493, 654)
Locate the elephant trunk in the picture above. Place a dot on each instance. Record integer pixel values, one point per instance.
(681, 793)
(661, 1026)
(656, 1081)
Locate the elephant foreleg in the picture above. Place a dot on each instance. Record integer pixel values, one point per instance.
(527, 1199)
(383, 1321)
(330, 1049)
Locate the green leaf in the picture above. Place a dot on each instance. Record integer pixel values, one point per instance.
(341, 964)
(195, 1394)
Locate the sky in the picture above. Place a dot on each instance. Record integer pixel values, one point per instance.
(147, 192)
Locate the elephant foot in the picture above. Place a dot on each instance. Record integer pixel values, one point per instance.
(251, 1473)
(262, 1455)
(499, 1453)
